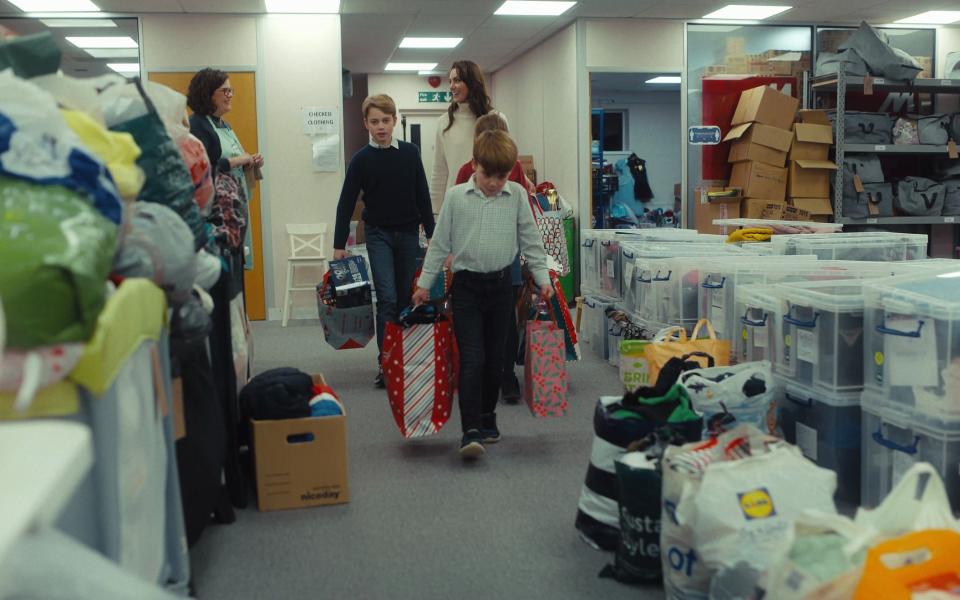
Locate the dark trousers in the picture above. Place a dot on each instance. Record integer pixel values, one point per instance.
(482, 306)
(393, 265)
(512, 348)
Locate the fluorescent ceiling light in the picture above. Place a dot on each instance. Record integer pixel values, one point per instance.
(78, 23)
(665, 79)
(933, 17)
(113, 52)
(303, 6)
(124, 41)
(411, 66)
(430, 42)
(55, 5)
(746, 11)
(125, 68)
(953, 275)
(534, 8)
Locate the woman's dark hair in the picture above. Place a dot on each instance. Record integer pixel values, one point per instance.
(477, 97)
(202, 87)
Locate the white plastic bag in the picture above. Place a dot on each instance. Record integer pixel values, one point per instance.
(744, 508)
(711, 397)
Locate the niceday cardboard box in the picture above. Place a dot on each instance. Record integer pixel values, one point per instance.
(758, 208)
(767, 106)
(758, 180)
(820, 209)
(301, 462)
(762, 143)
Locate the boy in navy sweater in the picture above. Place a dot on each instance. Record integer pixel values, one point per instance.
(396, 200)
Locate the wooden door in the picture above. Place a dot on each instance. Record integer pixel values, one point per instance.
(243, 120)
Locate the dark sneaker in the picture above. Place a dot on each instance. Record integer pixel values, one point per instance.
(489, 432)
(378, 381)
(471, 446)
(510, 389)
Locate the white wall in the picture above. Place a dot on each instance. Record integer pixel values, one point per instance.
(538, 94)
(634, 44)
(653, 122)
(278, 47)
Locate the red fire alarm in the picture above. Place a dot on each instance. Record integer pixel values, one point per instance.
(434, 81)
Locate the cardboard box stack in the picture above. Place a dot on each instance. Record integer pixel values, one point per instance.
(760, 139)
(810, 170)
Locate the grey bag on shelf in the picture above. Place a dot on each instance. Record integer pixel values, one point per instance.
(955, 127)
(906, 132)
(882, 59)
(934, 129)
(951, 198)
(857, 205)
(946, 168)
(920, 197)
(865, 127)
(867, 166)
(829, 63)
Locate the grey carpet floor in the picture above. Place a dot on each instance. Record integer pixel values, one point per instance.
(421, 524)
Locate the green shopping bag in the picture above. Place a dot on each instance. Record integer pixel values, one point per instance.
(30, 55)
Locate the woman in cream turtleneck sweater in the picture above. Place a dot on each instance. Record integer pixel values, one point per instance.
(456, 128)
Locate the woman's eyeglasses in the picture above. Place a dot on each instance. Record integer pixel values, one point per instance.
(226, 91)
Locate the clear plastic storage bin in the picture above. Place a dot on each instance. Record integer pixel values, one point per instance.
(884, 247)
(609, 257)
(826, 427)
(593, 325)
(912, 340)
(759, 337)
(822, 334)
(896, 436)
(589, 261)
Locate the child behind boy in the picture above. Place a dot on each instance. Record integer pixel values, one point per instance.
(483, 223)
(509, 384)
(396, 200)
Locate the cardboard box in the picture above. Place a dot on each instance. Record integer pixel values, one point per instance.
(820, 209)
(762, 143)
(767, 106)
(758, 208)
(705, 211)
(811, 142)
(526, 161)
(813, 116)
(810, 178)
(301, 462)
(758, 180)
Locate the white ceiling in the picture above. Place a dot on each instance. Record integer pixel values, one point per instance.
(372, 29)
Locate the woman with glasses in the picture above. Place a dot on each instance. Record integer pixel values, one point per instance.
(210, 97)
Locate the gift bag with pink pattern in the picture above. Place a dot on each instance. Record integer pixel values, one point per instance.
(545, 370)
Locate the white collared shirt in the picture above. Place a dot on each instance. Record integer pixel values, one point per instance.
(393, 144)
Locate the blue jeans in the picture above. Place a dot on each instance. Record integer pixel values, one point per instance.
(393, 265)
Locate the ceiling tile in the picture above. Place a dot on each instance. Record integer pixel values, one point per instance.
(609, 8)
(141, 6)
(431, 25)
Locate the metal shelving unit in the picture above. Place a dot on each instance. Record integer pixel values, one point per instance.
(841, 84)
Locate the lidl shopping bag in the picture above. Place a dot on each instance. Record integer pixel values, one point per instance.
(744, 508)
(545, 370)
(418, 370)
(634, 369)
(673, 343)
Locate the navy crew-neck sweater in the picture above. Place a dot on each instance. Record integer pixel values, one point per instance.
(395, 191)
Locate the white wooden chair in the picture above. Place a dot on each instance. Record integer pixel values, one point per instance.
(308, 247)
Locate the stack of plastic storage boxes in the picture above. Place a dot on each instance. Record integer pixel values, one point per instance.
(860, 246)
(911, 400)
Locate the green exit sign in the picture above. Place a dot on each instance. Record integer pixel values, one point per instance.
(439, 97)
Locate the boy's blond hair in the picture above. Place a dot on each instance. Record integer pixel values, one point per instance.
(490, 122)
(382, 102)
(495, 152)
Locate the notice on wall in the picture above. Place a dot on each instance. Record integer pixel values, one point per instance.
(326, 153)
(318, 120)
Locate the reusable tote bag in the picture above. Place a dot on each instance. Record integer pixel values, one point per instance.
(343, 328)
(550, 224)
(418, 369)
(545, 369)
(673, 343)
